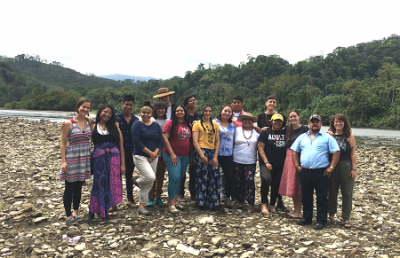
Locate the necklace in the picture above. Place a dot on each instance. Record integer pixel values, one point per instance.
(280, 132)
(103, 128)
(248, 140)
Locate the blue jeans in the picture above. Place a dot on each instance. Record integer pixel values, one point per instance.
(311, 179)
(175, 173)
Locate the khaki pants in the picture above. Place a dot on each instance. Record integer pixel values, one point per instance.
(147, 176)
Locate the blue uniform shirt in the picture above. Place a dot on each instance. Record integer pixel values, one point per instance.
(316, 154)
(126, 132)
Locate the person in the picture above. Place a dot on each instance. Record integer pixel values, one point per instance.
(206, 144)
(177, 134)
(160, 116)
(237, 104)
(192, 116)
(225, 153)
(290, 182)
(313, 148)
(245, 158)
(264, 119)
(345, 172)
(272, 152)
(147, 142)
(164, 96)
(125, 121)
(75, 157)
(108, 163)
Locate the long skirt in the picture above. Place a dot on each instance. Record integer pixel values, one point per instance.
(107, 183)
(208, 181)
(290, 182)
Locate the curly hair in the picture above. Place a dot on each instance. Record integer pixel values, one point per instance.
(346, 128)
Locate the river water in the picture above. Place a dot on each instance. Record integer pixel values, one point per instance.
(364, 136)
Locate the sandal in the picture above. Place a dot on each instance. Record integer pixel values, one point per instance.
(347, 224)
(250, 208)
(179, 206)
(264, 210)
(112, 209)
(330, 220)
(173, 209)
(292, 216)
(273, 211)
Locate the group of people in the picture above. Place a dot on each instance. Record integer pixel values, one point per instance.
(221, 154)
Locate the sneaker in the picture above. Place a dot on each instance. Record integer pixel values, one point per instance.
(143, 211)
(150, 203)
(70, 220)
(159, 202)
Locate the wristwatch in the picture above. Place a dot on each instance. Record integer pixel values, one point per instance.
(331, 167)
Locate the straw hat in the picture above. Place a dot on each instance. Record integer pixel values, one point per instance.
(163, 92)
(247, 116)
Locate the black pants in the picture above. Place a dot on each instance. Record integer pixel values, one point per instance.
(273, 179)
(72, 193)
(192, 182)
(311, 179)
(226, 163)
(130, 166)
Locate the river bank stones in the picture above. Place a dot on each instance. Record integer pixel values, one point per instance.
(32, 219)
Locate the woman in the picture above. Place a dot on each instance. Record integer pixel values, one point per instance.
(290, 182)
(75, 157)
(206, 144)
(345, 171)
(160, 116)
(272, 150)
(245, 158)
(108, 162)
(147, 141)
(225, 158)
(177, 135)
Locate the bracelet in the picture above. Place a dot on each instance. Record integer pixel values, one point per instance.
(354, 170)
(266, 162)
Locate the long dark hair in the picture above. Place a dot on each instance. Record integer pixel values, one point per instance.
(159, 105)
(175, 123)
(112, 128)
(290, 128)
(224, 106)
(201, 118)
(346, 128)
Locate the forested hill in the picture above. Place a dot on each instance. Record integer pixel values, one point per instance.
(362, 81)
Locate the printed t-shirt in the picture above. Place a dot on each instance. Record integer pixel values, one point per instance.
(179, 140)
(275, 147)
(226, 135)
(207, 136)
(245, 150)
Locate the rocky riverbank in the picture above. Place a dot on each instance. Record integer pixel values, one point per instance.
(32, 220)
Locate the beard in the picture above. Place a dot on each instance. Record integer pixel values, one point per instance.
(315, 129)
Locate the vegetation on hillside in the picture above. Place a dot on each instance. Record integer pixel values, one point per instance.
(362, 81)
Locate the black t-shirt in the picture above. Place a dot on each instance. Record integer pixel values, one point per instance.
(296, 133)
(275, 147)
(193, 118)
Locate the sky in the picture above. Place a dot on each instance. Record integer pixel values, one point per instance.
(163, 39)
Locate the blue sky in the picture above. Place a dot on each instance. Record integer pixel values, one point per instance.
(167, 38)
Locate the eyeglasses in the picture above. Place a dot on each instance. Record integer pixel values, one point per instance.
(192, 100)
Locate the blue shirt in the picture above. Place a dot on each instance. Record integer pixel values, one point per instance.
(316, 154)
(126, 132)
(226, 136)
(149, 136)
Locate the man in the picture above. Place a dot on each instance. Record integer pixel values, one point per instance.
(192, 116)
(315, 169)
(125, 120)
(163, 95)
(264, 119)
(237, 104)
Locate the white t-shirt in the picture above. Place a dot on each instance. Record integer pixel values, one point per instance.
(169, 110)
(245, 150)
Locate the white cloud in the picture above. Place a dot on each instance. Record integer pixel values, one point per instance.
(166, 38)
